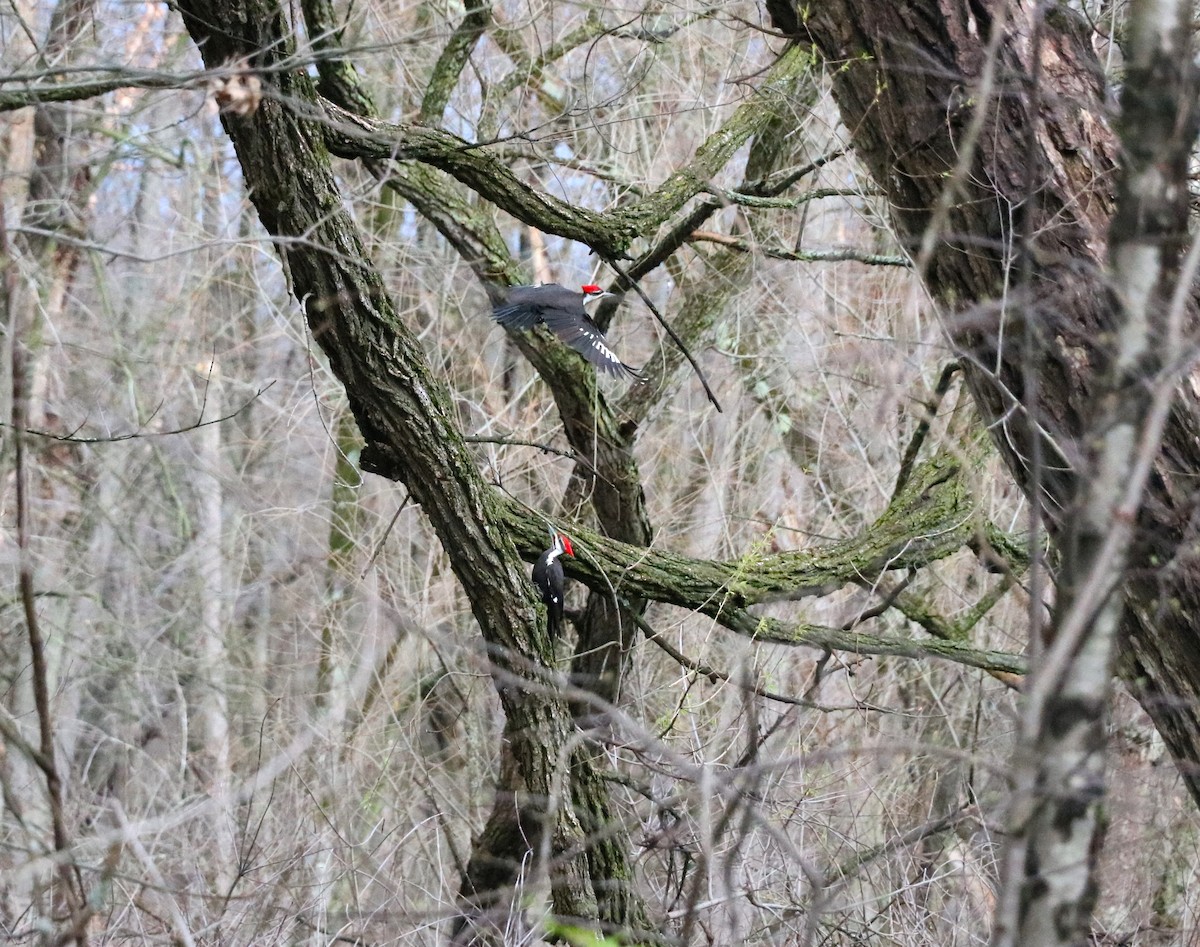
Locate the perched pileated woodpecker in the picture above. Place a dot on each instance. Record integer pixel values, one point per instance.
(549, 579)
(564, 312)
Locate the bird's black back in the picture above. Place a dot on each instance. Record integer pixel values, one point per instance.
(526, 306)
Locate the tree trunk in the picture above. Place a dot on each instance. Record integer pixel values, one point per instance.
(1014, 205)
(413, 436)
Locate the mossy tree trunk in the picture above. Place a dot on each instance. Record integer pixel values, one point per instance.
(1001, 174)
(550, 794)
(412, 435)
(1056, 265)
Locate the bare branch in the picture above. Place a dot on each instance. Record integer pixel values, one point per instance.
(714, 676)
(142, 432)
(609, 233)
(453, 59)
(627, 282)
(800, 256)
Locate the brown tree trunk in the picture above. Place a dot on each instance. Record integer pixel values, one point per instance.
(412, 435)
(1008, 211)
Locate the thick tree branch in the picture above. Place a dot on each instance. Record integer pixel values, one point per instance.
(44, 88)
(453, 60)
(932, 518)
(609, 233)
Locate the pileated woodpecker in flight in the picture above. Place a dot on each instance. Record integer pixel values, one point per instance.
(548, 577)
(564, 312)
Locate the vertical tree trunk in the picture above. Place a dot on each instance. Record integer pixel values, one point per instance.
(412, 435)
(1049, 888)
(212, 658)
(46, 154)
(1006, 165)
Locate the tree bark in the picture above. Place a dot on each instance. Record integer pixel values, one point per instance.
(412, 435)
(1020, 207)
(1050, 888)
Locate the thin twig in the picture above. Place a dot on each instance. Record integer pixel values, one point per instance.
(628, 282)
(13, 737)
(839, 255)
(741, 198)
(183, 933)
(883, 605)
(134, 435)
(386, 533)
(72, 881)
(332, 936)
(714, 675)
(922, 431)
(516, 442)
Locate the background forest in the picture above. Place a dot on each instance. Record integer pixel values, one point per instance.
(272, 670)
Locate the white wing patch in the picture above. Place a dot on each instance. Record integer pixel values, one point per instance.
(588, 341)
(571, 324)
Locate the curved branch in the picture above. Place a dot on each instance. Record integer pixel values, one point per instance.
(356, 136)
(609, 233)
(714, 675)
(1000, 664)
(932, 518)
(835, 639)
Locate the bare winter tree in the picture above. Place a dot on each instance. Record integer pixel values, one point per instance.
(679, 771)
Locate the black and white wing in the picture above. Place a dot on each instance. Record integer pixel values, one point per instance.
(581, 334)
